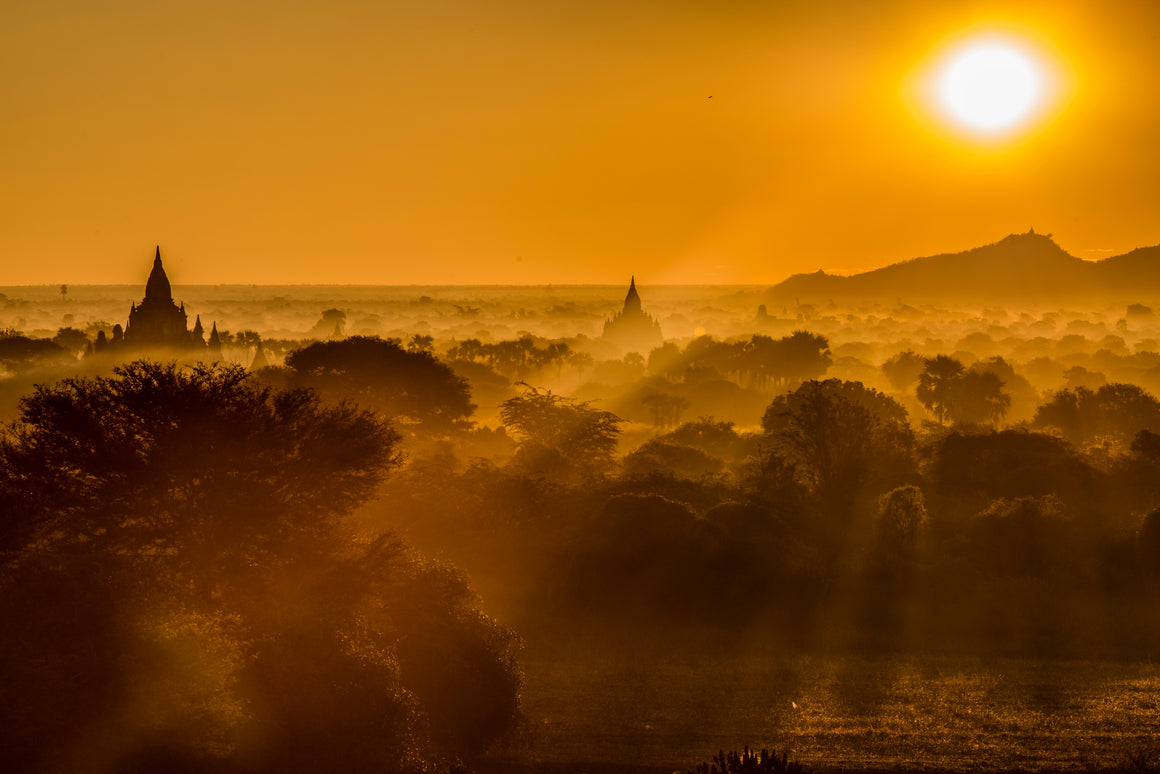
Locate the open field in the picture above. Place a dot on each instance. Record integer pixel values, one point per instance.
(848, 711)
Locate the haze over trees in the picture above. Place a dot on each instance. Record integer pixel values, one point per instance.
(558, 436)
(759, 501)
(177, 553)
(1116, 412)
(409, 385)
(839, 437)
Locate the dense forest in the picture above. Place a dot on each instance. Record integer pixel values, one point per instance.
(336, 559)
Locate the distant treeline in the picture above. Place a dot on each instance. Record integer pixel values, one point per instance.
(201, 568)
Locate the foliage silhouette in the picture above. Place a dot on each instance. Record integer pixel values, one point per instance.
(1115, 411)
(901, 514)
(666, 409)
(751, 762)
(521, 358)
(971, 468)
(659, 456)
(1025, 536)
(21, 353)
(559, 436)
(840, 436)
(966, 396)
(716, 438)
(903, 369)
(647, 555)
(71, 340)
(409, 385)
(184, 588)
(760, 361)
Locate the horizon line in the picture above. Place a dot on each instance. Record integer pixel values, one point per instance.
(396, 285)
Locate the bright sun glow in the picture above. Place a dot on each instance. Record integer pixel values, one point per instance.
(991, 87)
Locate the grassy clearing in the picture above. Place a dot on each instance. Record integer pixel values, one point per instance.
(848, 711)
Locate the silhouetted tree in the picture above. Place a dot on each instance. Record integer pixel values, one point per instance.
(1020, 397)
(1025, 536)
(841, 435)
(180, 586)
(901, 514)
(21, 353)
(952, 393)
(421, 343)
(243, 339)
(89, 450)
(412, 387)
(715, 438)
(805, 356)
(979, 398)
(558, 434)
(1078, 376)
(1138, 472)
(581, 361)
(902, 370)
(1009, 464)
(761, 360)
(658, 457)
(520, 358)
(936, 385)
(1115, 411)
(71, 340)
(666, 409)
(332, 325)
(664, 360)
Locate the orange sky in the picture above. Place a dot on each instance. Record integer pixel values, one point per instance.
(521, 141)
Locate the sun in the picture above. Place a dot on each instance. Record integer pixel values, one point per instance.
(991, 86)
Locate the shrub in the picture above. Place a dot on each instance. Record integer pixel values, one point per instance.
(749, 762)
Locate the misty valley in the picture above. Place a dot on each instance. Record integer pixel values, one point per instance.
(579, 528)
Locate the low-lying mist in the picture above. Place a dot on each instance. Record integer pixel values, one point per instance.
(396, 528)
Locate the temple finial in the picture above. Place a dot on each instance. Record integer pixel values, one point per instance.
(158, 284)
(632, 300)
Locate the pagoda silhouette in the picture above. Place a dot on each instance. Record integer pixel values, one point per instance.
(632, 329)
(157, 322)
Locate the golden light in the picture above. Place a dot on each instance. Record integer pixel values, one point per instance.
(991, 85)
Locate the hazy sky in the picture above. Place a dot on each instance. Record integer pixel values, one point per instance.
(446, 141)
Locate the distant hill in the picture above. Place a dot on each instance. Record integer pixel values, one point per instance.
(1030, 268)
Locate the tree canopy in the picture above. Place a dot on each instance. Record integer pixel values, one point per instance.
(952, 393)
(555, 431)
(840, 435)
(1115, 411)
(21, 353)
(143, 458)
(410, 385)
(182, 588)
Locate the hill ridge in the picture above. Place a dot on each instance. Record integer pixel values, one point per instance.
(1019, 267)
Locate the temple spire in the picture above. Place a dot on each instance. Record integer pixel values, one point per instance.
(632, 300)
(215, 343)
(158, 284)
(198, 334)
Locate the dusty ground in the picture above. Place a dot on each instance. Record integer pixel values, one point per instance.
(851, 712)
